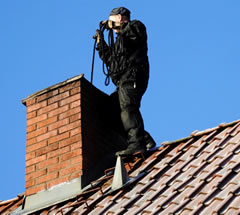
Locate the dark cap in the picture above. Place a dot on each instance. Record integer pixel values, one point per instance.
(121, 10)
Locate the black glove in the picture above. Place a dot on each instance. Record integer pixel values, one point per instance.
(103, 24)
(98, 36)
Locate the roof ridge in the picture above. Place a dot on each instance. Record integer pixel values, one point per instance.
(197, 133)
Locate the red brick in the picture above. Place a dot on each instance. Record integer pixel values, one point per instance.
(48, 108)
(47, 149)
(47, 178)
(35, 189)
(76, 131)
(31, 128)
(58, 111)
(75, 104)
(70, 141)
(77, 160)
(36, 160)
(75, 117)
(47, 135)
(30, 183)
(59, 166)
(70, 86)
(47, 121)
(47, 163)
(47, 95)
(36, 106)
(71, 169)
(58, 152)
(36, 119)
(31, 102)
(36, 133)
(31, 115)
(71, 155)
(69, 100)
(36, 174)
(76, 175)
(77, 145)
(58, 124)
(31, 142)
(58, 138)
(36, 146)
(30, 155)
(58, 181)
(69, 113)
(75, 90)
(30, 169)
(70, 126)
(58, 97)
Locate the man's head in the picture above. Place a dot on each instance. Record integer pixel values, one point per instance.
(119, 15)
(122, 11)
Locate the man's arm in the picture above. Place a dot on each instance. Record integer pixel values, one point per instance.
(135, 31)
(135, 38)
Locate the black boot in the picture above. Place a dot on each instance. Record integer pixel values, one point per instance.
(131, 149)
(150, 143)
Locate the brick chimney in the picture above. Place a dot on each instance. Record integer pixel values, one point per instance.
(70, 136)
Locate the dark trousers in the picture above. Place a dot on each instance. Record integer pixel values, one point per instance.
(127, 100)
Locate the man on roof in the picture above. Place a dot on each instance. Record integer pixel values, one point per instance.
(128, 65)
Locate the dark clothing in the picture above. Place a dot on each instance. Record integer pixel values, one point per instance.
(127, 59)
(129, 70)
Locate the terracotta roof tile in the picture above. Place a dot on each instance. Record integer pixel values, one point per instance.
(237, 129)
(223, 134)
(97, 210)
(133, 210)
(137, 210)
(153, 205)
(170, 208)
(185, 211)
(199, 174)
(81, 209)
(232, 211)
(211, 207)
(236, 202)
(11, 205)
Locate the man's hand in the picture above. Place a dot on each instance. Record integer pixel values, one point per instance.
(112, 24)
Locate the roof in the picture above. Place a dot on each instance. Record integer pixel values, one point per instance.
(11, 204)
(199, 174)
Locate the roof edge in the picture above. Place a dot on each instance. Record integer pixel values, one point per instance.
(38, 93)
(19, 196)
(197, 133)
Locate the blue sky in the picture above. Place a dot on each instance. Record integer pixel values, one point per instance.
(194, 53)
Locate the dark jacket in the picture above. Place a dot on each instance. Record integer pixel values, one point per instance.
(127, 57)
